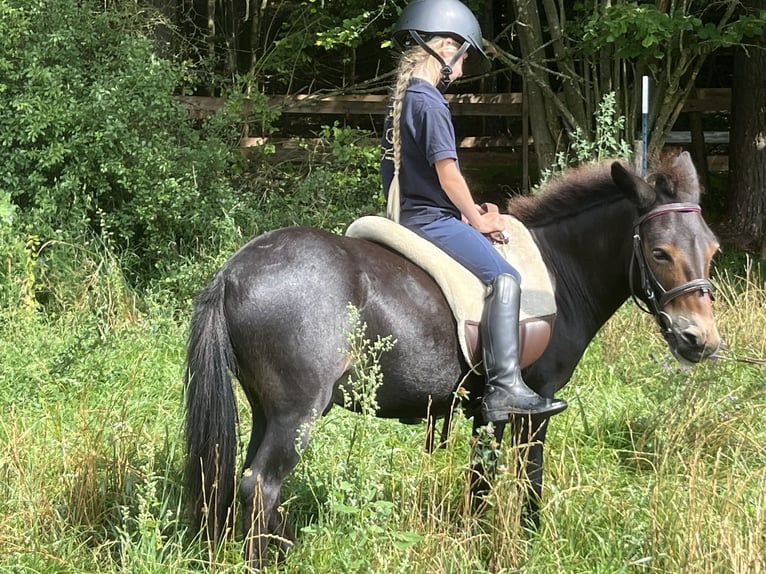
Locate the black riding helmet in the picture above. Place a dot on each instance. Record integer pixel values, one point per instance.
(423, 19)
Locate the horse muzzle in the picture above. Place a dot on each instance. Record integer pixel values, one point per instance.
(690, 339)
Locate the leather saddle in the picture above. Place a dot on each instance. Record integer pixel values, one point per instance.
(466, 293)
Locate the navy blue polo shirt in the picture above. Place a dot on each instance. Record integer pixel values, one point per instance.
(427, 135)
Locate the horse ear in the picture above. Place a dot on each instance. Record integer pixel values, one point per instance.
(634, 187)
(684, 166)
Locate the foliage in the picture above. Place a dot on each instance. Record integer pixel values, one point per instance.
(307, 45)
(242, 113)
(94, 142)
(608, 142)
(97, 150)
(647, 452)
(115, 209)
(340, 183)
(571, 58)
(350, 32)
(647, 33)
(359, 392)
(16, 259)
(90, 429)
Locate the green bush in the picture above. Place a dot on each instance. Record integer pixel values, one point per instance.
(97, 150)
(16, 260)
(94, 141)
(340, 182)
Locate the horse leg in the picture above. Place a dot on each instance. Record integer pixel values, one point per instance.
(272, 455)
(430, 432)
(430, 442)
(446, 428)
(483, 459)
(529, 438)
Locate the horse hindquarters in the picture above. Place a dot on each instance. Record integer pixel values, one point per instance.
(286, 298)
(210, 415)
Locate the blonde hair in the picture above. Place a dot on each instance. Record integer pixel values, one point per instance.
(413, 59)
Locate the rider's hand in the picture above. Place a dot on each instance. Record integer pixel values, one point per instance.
(488, 222)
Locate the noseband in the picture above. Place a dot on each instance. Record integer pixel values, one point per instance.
(655, 293)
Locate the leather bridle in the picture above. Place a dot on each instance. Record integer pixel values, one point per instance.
(656, 295)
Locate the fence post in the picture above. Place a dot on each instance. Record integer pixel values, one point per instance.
(638, 157)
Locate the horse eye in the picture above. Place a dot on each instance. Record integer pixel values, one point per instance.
(660, 254)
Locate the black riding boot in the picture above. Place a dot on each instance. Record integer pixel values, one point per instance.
(506, 392)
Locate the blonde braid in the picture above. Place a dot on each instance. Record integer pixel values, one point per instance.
(408, 62)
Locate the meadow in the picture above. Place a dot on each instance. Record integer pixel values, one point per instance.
(114, 208)
(655, 467)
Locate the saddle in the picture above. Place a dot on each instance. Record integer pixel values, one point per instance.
(465, 293)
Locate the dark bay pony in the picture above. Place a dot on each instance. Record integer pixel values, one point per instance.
(275, 314)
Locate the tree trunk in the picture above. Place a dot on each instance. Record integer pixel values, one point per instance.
(211, 37)
(747, 150)
(542, 116)
(571, 84)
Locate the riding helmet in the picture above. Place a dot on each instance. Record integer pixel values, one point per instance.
(448, 18)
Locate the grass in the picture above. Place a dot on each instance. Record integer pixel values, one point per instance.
(653, 468)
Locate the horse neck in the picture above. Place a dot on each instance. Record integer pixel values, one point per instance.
(589, 256)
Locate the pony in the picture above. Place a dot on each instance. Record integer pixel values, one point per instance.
(274, 315)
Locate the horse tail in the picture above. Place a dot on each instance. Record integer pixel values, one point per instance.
(211, 418)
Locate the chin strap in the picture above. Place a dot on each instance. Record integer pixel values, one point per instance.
(446, 69)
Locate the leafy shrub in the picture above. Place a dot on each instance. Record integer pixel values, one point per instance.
(94, 140)
(97, 150)
(342, 185)
(16, 261)
(337, 185)
(607, 144)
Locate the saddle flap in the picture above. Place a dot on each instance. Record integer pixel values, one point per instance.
(534, 336)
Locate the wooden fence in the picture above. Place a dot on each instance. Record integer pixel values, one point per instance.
(704, 100)
(495, 150)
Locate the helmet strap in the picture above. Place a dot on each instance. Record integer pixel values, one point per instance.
(446, 69)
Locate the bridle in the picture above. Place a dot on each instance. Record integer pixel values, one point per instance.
(656, 295)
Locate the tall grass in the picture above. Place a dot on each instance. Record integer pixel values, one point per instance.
(654, 467)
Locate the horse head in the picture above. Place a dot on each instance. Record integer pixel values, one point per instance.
(673, 249)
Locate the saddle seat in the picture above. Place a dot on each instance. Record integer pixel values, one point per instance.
(465, 293)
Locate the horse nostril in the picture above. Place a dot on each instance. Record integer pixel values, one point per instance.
(691, 337)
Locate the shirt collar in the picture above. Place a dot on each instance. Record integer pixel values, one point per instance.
(424, 87)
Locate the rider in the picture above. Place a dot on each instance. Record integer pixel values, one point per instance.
(440, 40)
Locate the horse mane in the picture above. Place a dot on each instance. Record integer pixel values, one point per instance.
(677, 180)
(576, 190)
(590, 185)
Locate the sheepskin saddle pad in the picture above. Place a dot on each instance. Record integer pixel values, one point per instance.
(465, 293)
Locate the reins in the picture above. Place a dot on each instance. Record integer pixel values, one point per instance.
(655, 293)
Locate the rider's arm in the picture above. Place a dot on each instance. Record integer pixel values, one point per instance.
(454, 185)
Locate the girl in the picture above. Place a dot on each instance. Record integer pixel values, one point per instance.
(440, 40)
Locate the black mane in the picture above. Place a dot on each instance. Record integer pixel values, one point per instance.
(577, 190)
(590, 185)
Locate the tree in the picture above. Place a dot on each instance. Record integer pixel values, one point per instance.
(572, 54)
(94, 142)
(280, 47)
(747, 155)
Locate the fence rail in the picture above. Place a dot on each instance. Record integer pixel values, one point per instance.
(706, 100)
(495, 149)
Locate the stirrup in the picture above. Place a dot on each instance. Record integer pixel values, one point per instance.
(550, 408)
